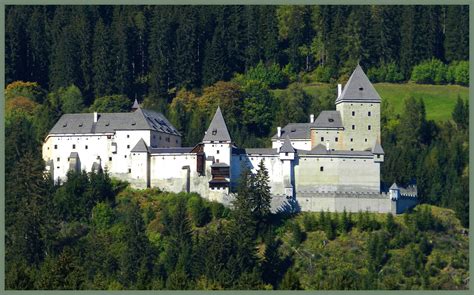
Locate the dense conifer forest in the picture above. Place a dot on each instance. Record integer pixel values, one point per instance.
(93, 232)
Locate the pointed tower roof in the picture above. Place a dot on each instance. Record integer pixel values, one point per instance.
(217, 130)
(287, 147)
(378, 149)
(358, 89)
(140, 147)
(135, 105)
(394, 186)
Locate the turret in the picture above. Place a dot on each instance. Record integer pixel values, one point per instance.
(218, 151)
(394, 192)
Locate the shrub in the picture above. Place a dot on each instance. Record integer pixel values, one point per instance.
(461, 74)
(385, 73)
(272, 75)
(323, 74)
(431, 71)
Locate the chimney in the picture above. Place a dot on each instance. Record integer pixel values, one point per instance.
(279, 131)
(339, 90)
(311, 118)
(96, 116)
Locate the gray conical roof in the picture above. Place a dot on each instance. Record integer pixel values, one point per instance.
(217, 130)
(359, 89)
(378, 149)
(135, 105)
(140, 147)
(287, 147)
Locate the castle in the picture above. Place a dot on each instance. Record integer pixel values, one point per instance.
(330, 163)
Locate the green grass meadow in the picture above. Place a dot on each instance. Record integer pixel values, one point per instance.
(439, 99)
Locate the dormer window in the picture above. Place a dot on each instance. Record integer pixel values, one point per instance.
(361, 88)
(214, 132)
(331, 120)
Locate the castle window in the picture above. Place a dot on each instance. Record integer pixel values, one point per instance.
(336, 139)
(57, 159)
(125, 156)
(369, 114)
(366, 140)
(109, 136)
(128, 136)
(352, 149)
(128, 146)
(353, 127)
(321, 168)
(87, 147)
(55, 146)
(378, 156)
(352, 139)
(129, 170)
(73, 146)
(176, 141)
(160, 137)
(322, 138)
(110, 158)
(217, 151)
(368, 127)
(286, 154)
(353, 113)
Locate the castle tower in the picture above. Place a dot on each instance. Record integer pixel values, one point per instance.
(359, 106)
(287, 155)
(218, 150)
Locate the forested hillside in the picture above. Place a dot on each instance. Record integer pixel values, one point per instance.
(153, 51)
(91, 233)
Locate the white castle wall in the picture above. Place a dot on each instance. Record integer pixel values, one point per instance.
(272, 163)
(339, 174)
(91, 146)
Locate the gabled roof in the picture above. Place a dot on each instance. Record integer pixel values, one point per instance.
(296, 131)
(378, 149)
(109, 122)
(140, 147)
(287, 147)
(394, 186)
(328, 119)
(217, 130)
(358, 88)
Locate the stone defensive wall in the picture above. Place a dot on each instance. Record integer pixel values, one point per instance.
(338, 201)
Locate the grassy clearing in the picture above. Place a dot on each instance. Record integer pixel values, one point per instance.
(439, 99)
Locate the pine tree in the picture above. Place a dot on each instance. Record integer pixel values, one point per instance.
(456, 30)
(186, 53)
(261, 197)
(102, 60)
